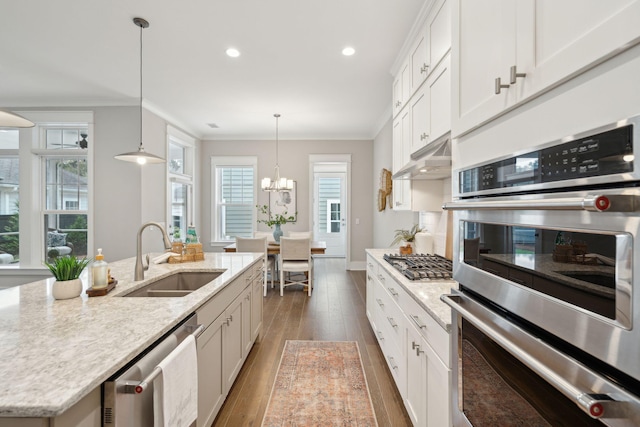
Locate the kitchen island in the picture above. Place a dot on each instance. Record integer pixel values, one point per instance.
(56, 352)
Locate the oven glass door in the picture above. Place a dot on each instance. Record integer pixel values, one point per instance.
(496, 389)
(588, 270)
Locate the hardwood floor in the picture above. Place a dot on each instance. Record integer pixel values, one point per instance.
(335, 311)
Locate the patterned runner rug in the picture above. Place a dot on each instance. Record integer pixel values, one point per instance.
(320, 383)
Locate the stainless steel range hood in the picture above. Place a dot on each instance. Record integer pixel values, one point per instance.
(433, 161)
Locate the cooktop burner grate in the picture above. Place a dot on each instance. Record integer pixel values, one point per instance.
(422, 266)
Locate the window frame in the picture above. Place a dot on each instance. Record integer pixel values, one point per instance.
(32, 188)
(186, 178)
(229, 161)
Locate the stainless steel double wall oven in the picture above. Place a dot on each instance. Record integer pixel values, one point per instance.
(546, 325)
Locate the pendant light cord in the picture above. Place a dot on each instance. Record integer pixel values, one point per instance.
(141, 28)
(277, 155)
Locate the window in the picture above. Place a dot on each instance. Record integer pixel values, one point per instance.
(180, 167)
(9, 197)
(45, 189)
(333, 215)
(329, 204)
(234, 198)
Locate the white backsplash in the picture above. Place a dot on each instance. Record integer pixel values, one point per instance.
(436, 224)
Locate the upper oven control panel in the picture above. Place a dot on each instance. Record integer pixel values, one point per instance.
(572, 161)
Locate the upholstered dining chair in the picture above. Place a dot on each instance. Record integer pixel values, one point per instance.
(300, 235)
(295, 257)
(258, 245)
(266, 234)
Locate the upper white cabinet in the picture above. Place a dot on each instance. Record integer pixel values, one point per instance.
(401, 88)
(401, 154)
(506, 53)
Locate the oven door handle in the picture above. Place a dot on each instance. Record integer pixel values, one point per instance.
(595, 405)
(592, 203)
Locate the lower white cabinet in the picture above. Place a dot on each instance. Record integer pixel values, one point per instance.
(415, 346)
(232, 321)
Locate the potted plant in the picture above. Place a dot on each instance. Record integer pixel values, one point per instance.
(275, 220)
(66, 271)
(407, 236)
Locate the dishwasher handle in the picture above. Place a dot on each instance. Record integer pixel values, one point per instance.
(142, 385)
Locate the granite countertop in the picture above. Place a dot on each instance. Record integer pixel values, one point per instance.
(543, 265)
(425, 293)
(54, 352)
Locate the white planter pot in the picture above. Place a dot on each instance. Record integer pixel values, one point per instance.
(66, 289)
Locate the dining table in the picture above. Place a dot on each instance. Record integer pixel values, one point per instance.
(273, 248)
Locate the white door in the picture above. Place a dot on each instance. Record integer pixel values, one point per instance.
(330, 207)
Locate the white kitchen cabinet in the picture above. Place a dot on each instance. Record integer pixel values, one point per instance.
(401, 191)
(401, 87)
(438, 32)
(420, 118)
(419, 60)
(229, 319)
(256, 303)
(415, 347)
(532, 46)
(439, 109)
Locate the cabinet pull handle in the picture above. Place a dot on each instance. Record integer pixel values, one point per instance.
(418, 351)
(392, 322)
(229, 320)
(392, 362)
(381, 277)
(414, 345)
(423, 137)
(398, 103)
(500, 86)
(424, 68)
(393, 292)
(380, 337)
(515, 74)
(416, 319)
(379, 301)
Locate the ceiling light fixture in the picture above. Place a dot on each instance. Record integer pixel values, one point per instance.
(141, 157)
(232, 52)
(277, 184)
(348, 51)
(12, 120)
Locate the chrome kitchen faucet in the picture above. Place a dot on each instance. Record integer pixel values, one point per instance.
(140, 267)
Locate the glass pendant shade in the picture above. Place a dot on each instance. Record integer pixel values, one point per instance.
(277, 183)
(11, 120)
(140, 157)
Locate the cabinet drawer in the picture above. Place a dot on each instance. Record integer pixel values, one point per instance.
(433, 333)
(388, 316)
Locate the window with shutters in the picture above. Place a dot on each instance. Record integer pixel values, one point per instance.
(180, 172)
(234, 185)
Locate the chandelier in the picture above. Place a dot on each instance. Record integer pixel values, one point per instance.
(277, 183)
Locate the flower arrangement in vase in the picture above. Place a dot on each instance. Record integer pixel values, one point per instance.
(275, 220)
(66, 271)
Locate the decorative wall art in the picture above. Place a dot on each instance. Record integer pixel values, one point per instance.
(386, 186)
(284, 201)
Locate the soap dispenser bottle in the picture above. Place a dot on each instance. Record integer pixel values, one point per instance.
(99, 279)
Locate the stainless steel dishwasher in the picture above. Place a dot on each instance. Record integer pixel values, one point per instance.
(128, 395)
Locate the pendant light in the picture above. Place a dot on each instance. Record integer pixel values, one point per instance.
(11, 120)
(277, 183)
(141, 157)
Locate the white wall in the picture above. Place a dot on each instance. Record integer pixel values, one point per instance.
(294, 164)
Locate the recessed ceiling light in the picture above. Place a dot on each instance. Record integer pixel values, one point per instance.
(348, 51)
(233, 52)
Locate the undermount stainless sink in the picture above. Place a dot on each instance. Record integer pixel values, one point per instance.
(177, 285)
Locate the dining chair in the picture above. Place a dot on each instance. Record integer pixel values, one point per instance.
(258, 245)
(295, 257)
(300, 235)
(266, 234)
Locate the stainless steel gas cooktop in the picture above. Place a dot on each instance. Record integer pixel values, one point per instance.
(422, 266)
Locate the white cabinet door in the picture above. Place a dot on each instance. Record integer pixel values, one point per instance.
(419, 110)
(439, 32)
(416, 398)
(401, 155)
(439, 109)
(232, 342)
(211, 391)
(247, 332)
(438, 382)
(256, 304)
(485, 36)
(402, 87)
(560, 39)
(419, 59)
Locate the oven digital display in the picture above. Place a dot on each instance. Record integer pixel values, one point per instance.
(606, 153)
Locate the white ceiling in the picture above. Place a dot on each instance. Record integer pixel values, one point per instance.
(86, 53)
